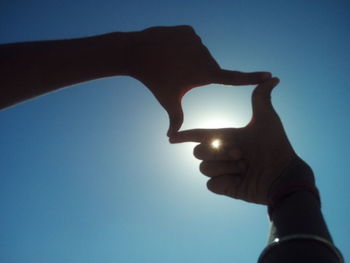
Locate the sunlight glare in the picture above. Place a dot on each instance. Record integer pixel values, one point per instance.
(216, 143)
(217, 106)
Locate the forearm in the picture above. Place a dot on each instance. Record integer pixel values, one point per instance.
(299, 213)
(30, 69)
(298, 218)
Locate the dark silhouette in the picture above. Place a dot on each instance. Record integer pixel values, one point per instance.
(255, 163)
(258, 164)
(168, 60)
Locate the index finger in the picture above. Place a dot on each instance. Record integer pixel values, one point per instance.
(201, 135)
(229, 77)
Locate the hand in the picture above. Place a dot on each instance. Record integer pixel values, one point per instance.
(172, 60)
(251, 159)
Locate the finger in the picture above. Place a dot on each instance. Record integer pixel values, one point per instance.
(195, 135)
(224, 184)
(261, 98)
(224, 153)
(243, 166)
(175, 117)
(228, 77)
(217, 168)
(203, 135)
(235, 153)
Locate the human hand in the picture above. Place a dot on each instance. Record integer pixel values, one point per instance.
(249, 163)
(172, 60)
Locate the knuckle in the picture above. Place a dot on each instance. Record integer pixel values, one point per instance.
(197, 151)
(230, 168)
(211, 185)
(187, 28)
(214, 186)
(235, 153)
(201, 152)
(203, 168)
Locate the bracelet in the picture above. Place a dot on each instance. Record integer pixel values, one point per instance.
(278, 241)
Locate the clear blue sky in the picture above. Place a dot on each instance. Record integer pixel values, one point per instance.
(87, 174)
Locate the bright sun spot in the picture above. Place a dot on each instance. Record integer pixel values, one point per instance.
(216, 143)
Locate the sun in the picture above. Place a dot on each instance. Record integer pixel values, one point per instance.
(216, 143)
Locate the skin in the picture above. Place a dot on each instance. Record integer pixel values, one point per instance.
(255, 159)
(168, 60)
(255, 163)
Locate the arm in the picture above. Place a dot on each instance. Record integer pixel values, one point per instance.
(295, 215)
(30, 69)
(299, 214)
(258, 164)
(168, 60)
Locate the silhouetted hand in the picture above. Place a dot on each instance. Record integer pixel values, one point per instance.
(172, 60)
(250, 159)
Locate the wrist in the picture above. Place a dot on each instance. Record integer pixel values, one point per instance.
(297, 177)
(295, 212)
(111, 53)
(296, 172)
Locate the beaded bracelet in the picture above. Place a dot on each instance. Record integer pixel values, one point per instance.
(277, 241)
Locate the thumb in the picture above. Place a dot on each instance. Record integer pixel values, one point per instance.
(176, 117)
(261, 98)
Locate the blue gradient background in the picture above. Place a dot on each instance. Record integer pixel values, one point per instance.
(87, 173)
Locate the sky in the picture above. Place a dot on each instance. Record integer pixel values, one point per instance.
(87, 173)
